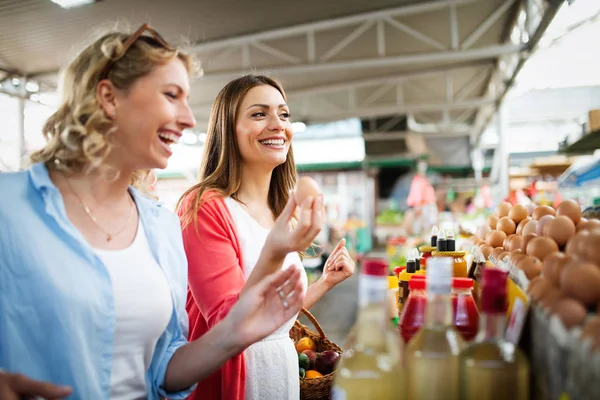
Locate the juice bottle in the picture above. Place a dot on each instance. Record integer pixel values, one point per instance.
(492, 368)
(432, 354)
(466, 315)
(371, 369)
(413, 315)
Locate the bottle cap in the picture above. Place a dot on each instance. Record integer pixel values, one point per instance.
(374, 267)
(411, 266)
(442, 234)
(434, 236)
(398, 270)
(439, 275)
(417, 284)
(462, 283)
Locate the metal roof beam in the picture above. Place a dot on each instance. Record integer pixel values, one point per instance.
(364, 112)
(390, 61)
(333, 23)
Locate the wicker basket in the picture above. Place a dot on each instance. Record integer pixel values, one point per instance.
(317, 388)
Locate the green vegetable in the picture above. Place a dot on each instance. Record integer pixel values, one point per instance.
(302, 373)
(303, 361)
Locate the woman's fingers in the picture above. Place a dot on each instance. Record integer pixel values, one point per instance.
(288, 212)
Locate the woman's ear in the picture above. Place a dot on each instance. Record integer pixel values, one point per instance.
(106, 95)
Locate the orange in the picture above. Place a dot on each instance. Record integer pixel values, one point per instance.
(311, 374)
(305, 343)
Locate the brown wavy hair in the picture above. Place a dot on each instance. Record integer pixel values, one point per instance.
(79, 133)
(221, 168)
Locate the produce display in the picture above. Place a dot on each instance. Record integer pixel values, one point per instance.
(312, 364)
(553, 254)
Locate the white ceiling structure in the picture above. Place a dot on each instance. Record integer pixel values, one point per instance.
(415, 72)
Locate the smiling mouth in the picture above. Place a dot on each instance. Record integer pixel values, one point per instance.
(272, 142)
(168, 138)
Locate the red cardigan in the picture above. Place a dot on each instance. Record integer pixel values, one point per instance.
(215, 280)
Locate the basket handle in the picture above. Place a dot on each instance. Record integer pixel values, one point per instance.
(314, 322)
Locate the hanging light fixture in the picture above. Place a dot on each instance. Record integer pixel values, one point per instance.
(72, 3)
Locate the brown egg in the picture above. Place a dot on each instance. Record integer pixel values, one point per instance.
(541, 247)
(561, 229)
(552, 267)
(581, 281)
(538, 287)
(541, 211)
(506, 225)
(515, 243)
(518, 213)
(588, 225)
(497, 253)
(542, 223)
(530, 227)
(591, 330)
(549, 299)
(306, 187)
(532, 267)
(503, 209)
(530, 208)
(589, 248)
(495, 238)
(571, 209)
(486, 250)
(576, 245)
(526, 239)
(482, 231)
(492, 221)
(521, 225)
(515, 257)
(571, 312)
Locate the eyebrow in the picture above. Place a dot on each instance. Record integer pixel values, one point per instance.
(266, 106)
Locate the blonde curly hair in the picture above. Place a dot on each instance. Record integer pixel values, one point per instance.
(78, 134)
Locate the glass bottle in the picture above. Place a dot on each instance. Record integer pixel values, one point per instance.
(491, 367)
(432, 354)
(371, 368)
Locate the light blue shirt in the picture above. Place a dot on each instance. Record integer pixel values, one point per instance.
(57, 315)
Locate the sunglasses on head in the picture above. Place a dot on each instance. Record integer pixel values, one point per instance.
(130, 41)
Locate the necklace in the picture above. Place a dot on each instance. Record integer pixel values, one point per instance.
(109, 236)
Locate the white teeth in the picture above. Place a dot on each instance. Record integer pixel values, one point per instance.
(273, 142)
(171, 138)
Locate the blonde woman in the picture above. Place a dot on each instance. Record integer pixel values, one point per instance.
(234, 223)
(93, 274)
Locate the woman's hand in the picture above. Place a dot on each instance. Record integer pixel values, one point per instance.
(266, 306)
(339, 266)
(16, 387)
(284, 238)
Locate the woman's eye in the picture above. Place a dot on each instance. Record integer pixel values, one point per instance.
(286, 115)
(171, 95)
(259, 114)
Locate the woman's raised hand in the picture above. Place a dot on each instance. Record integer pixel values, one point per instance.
(287, 235)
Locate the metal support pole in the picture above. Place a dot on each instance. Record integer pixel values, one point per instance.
(502, 129)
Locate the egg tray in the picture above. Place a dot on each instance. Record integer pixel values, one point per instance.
(561, 363)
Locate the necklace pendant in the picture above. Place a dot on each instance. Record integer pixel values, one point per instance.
(108, 238)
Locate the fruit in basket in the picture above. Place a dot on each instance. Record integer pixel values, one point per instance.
(303, 361)
(312, 374)
(312, 357)
(302, 373)
(327, 361)
(305, 343)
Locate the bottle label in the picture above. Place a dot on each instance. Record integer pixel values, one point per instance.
(338, 394)
(372, 289)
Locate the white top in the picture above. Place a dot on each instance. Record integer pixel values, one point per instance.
(143, 308)
(272, 371)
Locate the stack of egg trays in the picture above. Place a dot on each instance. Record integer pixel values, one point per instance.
(583, 370)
